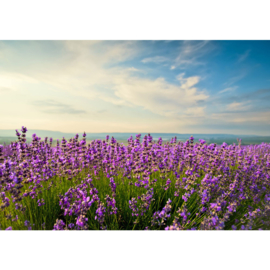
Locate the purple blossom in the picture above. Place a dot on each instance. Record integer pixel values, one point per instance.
(59, 225)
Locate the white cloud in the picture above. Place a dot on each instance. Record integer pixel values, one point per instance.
(238, 106)
(243, 57)
(196, 111)
(5, 89)
(133, 69)
(86, 72)
(155, 59)
(190, 51)
(258, 117)
(229, 89)
(159, 96)
(243, 117)
(236, 78)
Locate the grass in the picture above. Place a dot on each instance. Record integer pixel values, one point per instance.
(51, 211)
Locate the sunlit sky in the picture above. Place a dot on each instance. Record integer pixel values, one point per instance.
(136, 86)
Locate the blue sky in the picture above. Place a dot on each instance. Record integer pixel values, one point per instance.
(136, 86)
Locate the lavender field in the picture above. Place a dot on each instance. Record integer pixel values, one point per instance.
(146, 185)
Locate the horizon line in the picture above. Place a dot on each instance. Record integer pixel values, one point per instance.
(189, 134)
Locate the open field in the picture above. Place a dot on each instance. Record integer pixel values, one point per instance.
(144, 185)
(209, 139)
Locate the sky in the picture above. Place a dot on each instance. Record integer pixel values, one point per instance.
(136, 86)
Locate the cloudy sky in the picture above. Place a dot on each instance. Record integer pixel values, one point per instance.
(136, 86)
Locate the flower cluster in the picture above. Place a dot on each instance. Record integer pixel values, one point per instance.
(212, 187)
(160, 217)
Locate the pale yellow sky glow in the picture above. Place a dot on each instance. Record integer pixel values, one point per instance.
(72, 86)
(130, 86)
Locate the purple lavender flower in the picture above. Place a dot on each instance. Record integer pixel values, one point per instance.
(160, 217)
(168, 184)
(59, 225)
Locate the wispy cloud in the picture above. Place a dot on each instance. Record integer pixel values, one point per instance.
(243, 117)
(243, 56)
(236, 78)
(155, 59)
(256, 97)
(258, 94)
(5, 89)
(54, 107)
(196, 112)
(190, 52)
(134, 69)
(102, 111)
(238, 106)
(229, 89)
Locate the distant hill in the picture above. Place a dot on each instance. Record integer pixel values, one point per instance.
(39, 133)
(10, 135)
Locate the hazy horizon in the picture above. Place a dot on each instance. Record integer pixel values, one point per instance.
(10, 132)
